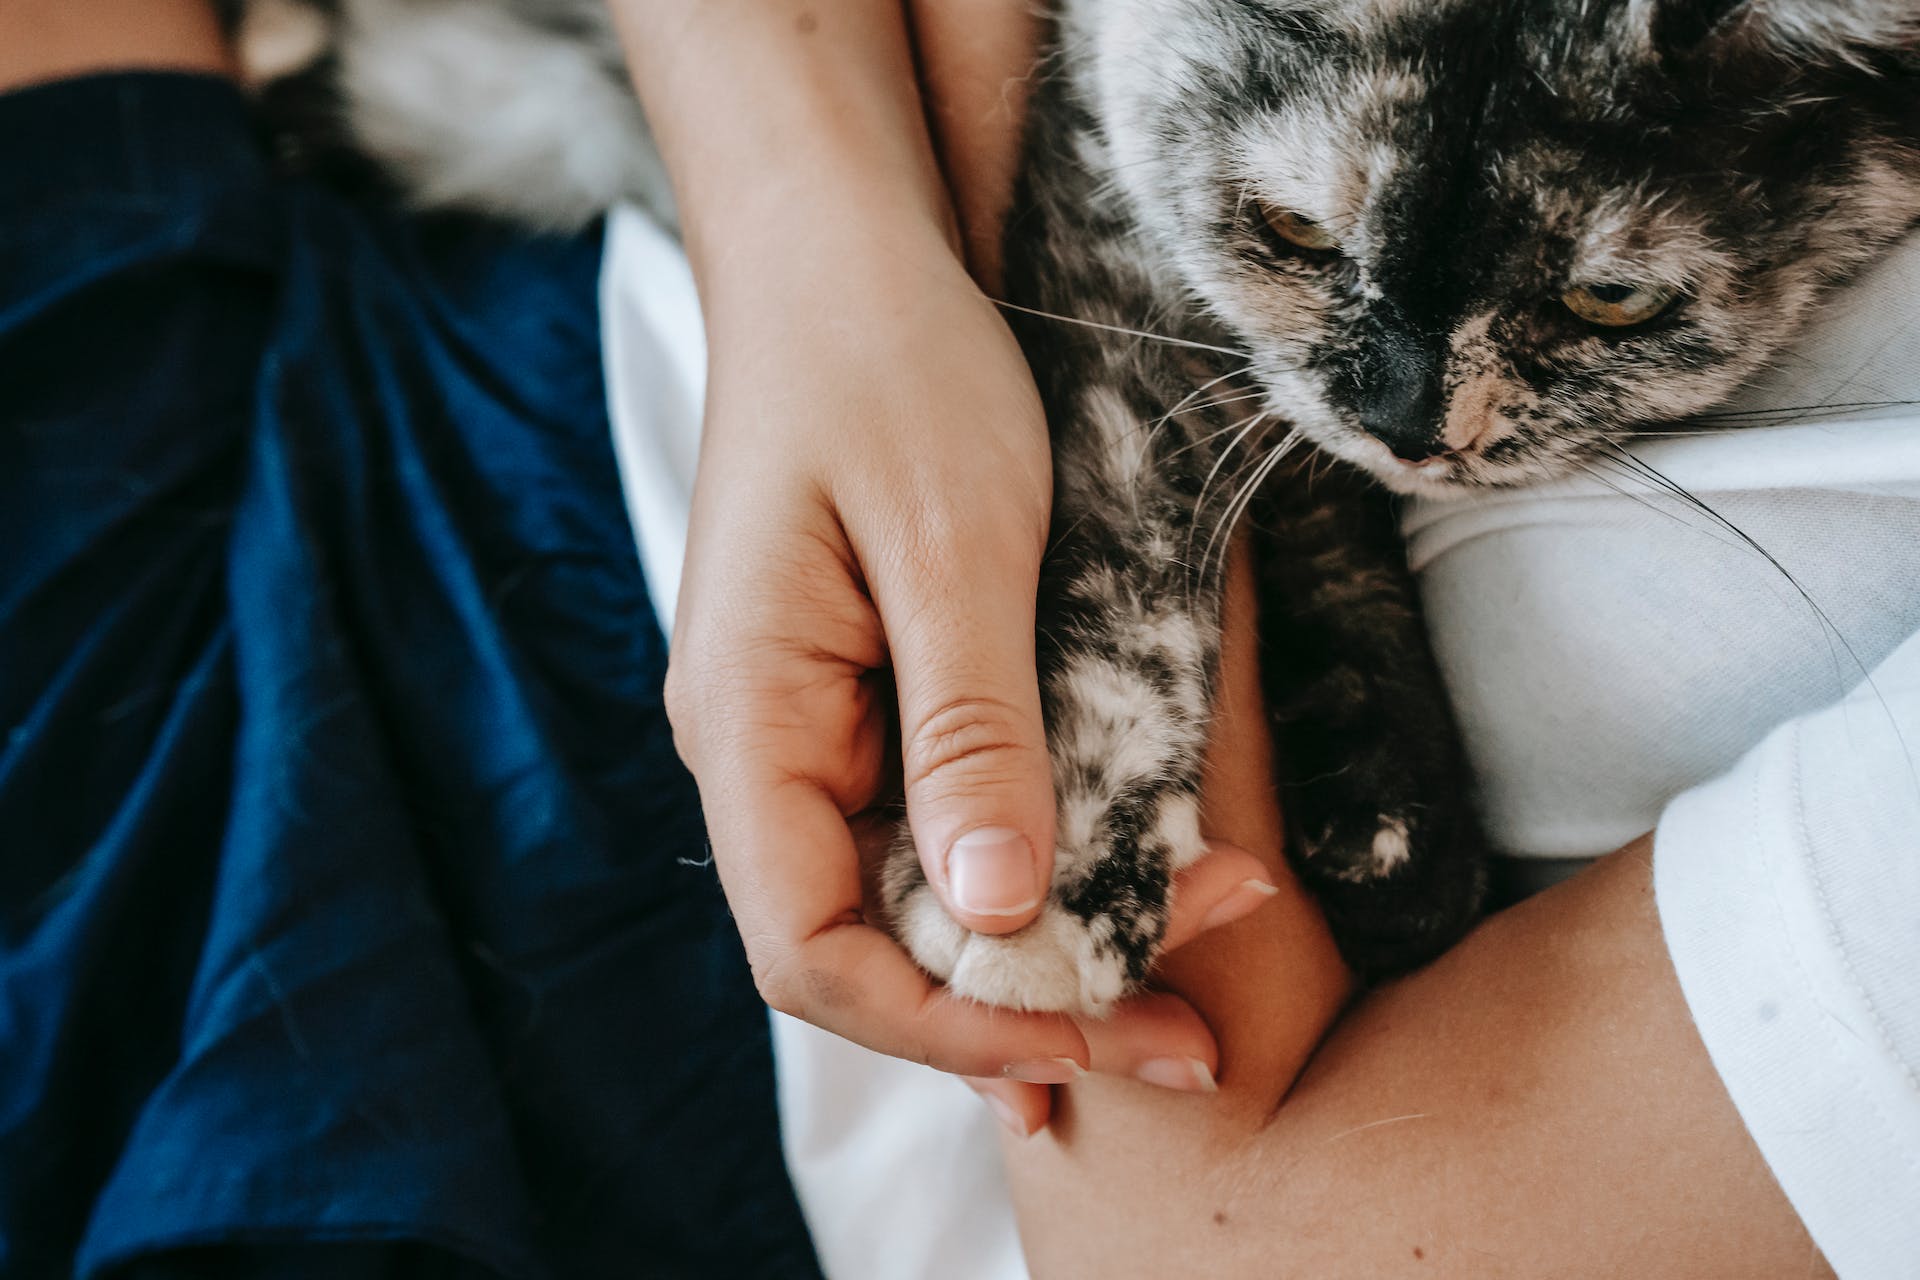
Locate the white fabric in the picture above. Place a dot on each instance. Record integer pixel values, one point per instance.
(1789, 890)
(1607, 645)
(1606, 653)
(656, 369)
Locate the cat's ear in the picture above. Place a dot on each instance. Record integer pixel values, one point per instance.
(1818, 30)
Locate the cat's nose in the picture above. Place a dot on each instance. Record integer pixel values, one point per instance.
(1397, 395)
(1421, 452)
(1402, 411)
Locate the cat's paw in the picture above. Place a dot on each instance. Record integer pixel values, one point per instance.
(1398, 887)
(1098, 933)
(1060, 963)
(1364, 848)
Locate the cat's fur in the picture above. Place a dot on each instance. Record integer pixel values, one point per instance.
(1474, 160)
(515, 108)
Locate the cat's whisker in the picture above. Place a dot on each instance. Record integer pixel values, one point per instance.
(1643, 499)
(1318, 465)
(1786, 415)
(1665, 433)
(1186, 402)
(1230, 520)
(1828, 627)
(1662, 482)
(1246, 427)
(1223, 530)
(1216, 432)
(1120, 329)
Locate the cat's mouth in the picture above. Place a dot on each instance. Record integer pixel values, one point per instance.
(1454, 474)
(1442, 474)
(1429, 477)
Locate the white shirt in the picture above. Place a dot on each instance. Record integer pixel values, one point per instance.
(1607, 654)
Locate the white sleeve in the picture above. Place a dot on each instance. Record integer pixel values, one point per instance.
(1789, 892)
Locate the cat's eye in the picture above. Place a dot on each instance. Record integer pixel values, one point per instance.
(1616, 306)
(1299, 231)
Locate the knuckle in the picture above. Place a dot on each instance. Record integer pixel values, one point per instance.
(803, 988)
(778, 984)
(972, 737)
(782, 996)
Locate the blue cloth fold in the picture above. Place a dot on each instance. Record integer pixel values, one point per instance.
(354, 913)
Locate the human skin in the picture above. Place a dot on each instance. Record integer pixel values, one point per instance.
(43, 40)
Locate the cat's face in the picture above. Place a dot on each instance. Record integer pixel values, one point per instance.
(1467, 242)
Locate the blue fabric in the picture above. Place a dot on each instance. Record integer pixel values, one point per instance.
(354, 918)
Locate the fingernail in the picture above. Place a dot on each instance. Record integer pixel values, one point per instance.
(990, 873)
(1188, 1075)
(1007, 1116)
(1044, 1071)
(1246, 896)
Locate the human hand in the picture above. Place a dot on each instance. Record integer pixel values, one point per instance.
(869, 521)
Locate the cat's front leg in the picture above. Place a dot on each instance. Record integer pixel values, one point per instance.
(1377, 791)
(1127, 642)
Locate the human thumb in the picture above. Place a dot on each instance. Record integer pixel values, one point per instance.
(978, 783)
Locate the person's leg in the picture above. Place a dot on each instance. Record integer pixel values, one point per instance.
(337, 792)
(136, 278)
(44, 40)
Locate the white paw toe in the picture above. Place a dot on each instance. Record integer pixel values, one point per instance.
(1059, 963)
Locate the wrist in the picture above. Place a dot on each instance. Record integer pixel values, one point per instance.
(787, 126)
(858, 282)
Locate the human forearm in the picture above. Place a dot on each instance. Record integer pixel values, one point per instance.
(795, 136)
(44, 40)
(976, 57)
(1535, 1102)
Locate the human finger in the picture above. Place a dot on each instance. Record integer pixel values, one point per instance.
(1022, 1109)
(979, 786)
(1224, 885)
(790, 869)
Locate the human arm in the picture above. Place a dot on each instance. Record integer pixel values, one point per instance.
(1535, 1103)
(43, 40)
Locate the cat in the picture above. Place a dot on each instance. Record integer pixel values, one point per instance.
(1448, 244)
(1273, 262)
(517, 109)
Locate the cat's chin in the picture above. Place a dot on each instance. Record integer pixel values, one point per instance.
(1435, 478)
